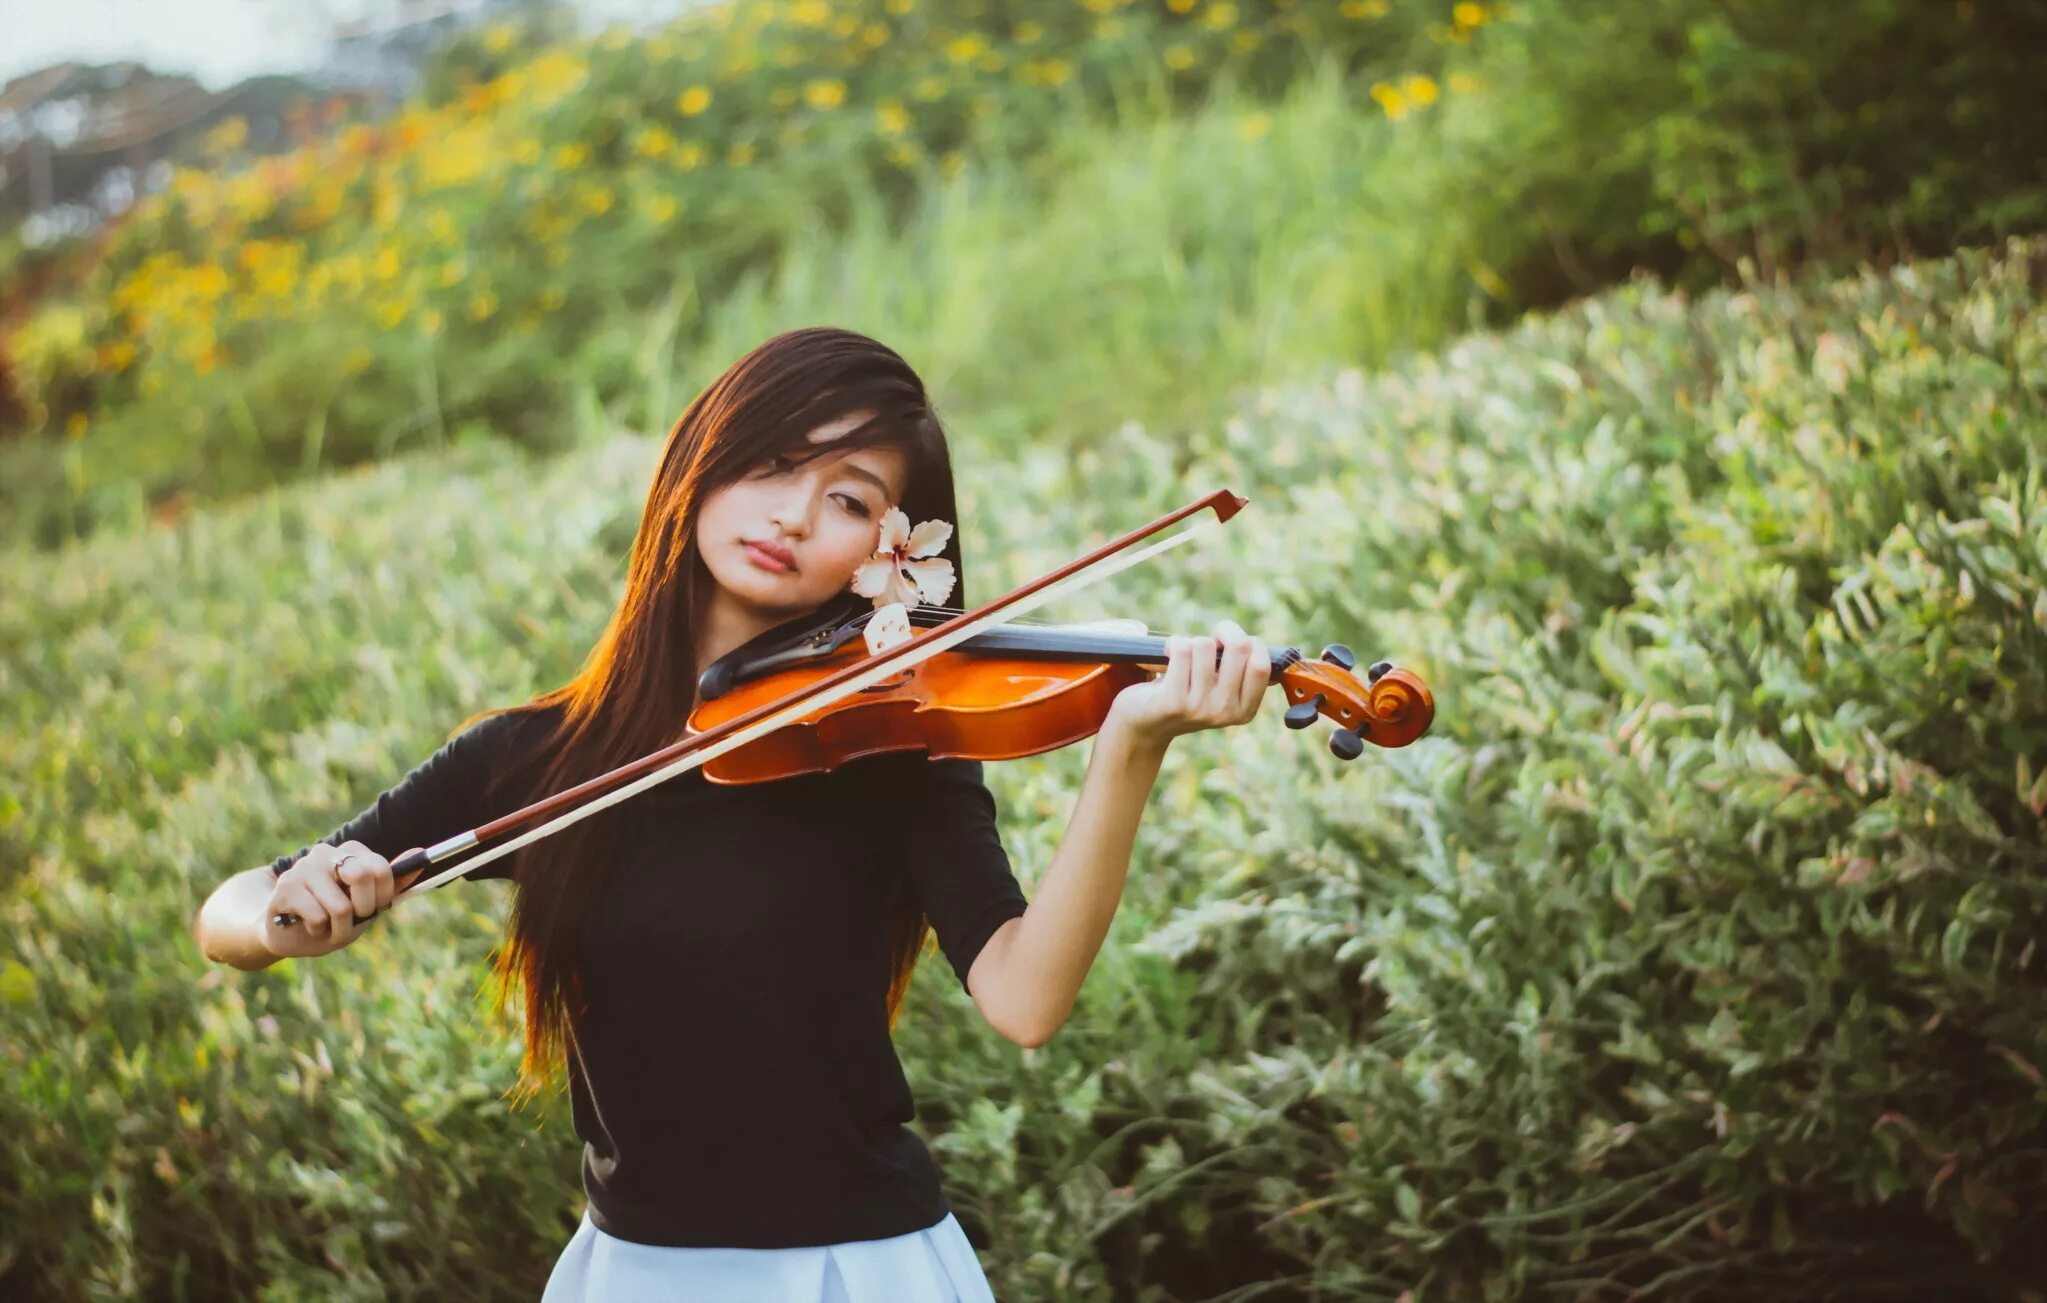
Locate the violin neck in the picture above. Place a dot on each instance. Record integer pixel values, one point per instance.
(1071, 644)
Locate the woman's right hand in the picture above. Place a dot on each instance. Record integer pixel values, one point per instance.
(329, 887)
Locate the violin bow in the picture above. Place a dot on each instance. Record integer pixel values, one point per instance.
(636, 776)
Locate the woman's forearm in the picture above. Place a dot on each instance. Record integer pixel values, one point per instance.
(229, 928)
(1047, 952)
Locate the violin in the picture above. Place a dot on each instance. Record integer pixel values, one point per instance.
(780, 706)
(1013, 691)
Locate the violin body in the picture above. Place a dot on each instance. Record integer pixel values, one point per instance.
(973, 707)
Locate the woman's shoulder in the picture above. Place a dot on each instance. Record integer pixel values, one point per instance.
(511, 725)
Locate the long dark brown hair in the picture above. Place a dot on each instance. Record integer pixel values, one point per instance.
(634, 692)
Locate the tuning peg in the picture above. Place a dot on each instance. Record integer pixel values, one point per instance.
(1378, 670)
(1338, 654)
(1345, 744)
(1303, 713)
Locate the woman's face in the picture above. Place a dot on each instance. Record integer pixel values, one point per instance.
(825, 512)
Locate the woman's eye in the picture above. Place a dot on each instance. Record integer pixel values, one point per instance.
(854, 505)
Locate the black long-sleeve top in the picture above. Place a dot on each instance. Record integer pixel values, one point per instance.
(733, 1080)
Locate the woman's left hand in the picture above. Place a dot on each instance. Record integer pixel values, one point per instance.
(1194, 691)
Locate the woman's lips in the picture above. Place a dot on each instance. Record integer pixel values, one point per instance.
(767, 560)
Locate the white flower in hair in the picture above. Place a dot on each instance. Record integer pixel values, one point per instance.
(905, 568)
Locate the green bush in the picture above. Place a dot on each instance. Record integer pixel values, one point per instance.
(1684, 137)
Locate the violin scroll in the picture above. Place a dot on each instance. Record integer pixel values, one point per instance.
(1391, 708)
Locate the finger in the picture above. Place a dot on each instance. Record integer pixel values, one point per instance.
(340, 909)
(358, 877)
(363, 868)
(299, 899)
(1226, 697)
(1202, 679)
(1257, 677)
(1179, 667)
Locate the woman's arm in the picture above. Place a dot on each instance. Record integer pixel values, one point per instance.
(1036, 962)
(1025, 979)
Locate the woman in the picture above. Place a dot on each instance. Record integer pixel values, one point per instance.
(720, 967)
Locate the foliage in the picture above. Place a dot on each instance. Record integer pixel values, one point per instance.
(492, 254)
(1685, 137)
(1692, 953)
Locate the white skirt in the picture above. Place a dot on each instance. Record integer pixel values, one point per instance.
(934, 1265)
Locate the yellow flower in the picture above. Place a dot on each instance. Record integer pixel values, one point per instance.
(1255, 126)
(951, 163)
(570, 156)
(810, 13)
(1422, 90)
(1178, 57)
(891, 117)
(960, 49)
(1218, 16)
(1390, 99)
(825, 93)
(390, 313)
(1466, 14)
(689, 156)
(498, 38)
(482, 304)
(1463, 83)
(652, 142)
(430, 321)
(903, 153)
(928, 88)
(1048, 72)
(899, 7)
(874, 36)
(693, 101)
(596, 200)
(1179, 6)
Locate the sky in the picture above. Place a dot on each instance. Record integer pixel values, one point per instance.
(219, 42)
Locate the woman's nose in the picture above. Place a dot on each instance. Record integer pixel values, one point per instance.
(792, 512)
